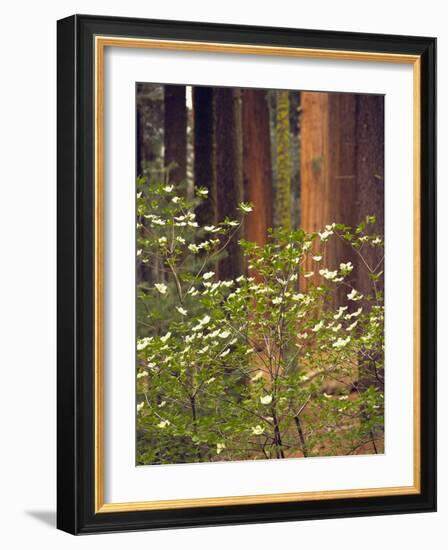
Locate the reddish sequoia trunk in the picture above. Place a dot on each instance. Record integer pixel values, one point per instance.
(257, 172)
(342, 143)
(342, 171)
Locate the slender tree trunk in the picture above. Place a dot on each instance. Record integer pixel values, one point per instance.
(257, 170)
(195, 424)
(204, 172)
(176, 132)
(302, 440)
(228, 172)
(283, 196)
(277, 435)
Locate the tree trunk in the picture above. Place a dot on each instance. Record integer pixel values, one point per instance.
(370, 176)
(257, 171)
(145, 147)
(314, 161)
(342, 180)
(204, 175)
(283, 196)
(176, 132)
(140, 146)
(228, 173)
(328, 171)
(370, 201)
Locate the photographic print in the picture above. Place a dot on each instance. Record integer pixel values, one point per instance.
(229, 348)
(259, 274)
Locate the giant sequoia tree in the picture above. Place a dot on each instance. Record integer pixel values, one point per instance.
(228, 170)
(176, 132)
(342, 167)
(369, 140)
(257, 170)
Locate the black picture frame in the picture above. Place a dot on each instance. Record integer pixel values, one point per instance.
(76, 271)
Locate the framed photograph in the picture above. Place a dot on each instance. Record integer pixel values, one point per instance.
(246, 274)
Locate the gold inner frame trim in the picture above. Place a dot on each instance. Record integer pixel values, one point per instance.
(101, 42)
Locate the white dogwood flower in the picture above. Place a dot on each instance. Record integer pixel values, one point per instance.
(266, 399)
(339, 313)
(355, 314)
(318, 326)
(160, 287)
(163, 424)
(341, 342)
(330, 275)
(257, 430)
(144, 343)
(325, 234)
(354, 295)
(346, 268)
(246, 207)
